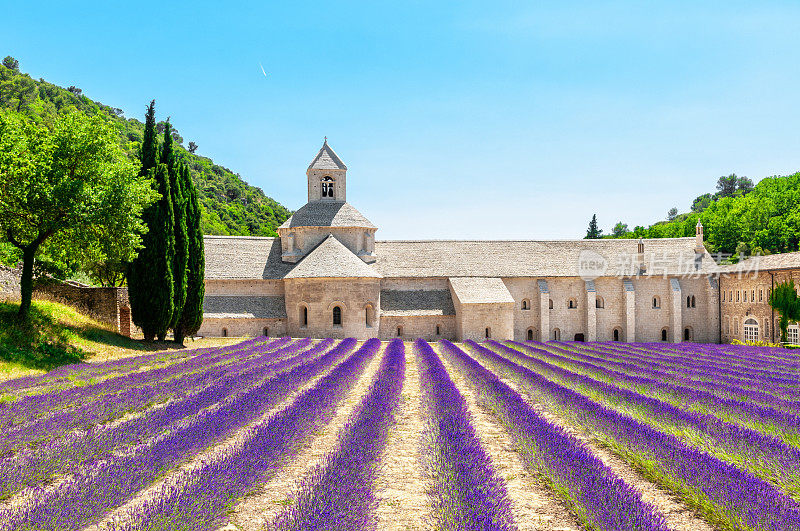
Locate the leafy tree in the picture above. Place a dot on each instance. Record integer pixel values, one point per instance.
(11, 63)
(75, 90)
(726, 186)
(62, 187)
(744, 185)
(192, 147)
(150, 283)
(785, 301)
(179, 258)
(192, 315)
(593, 232)
(672, 214)
(701, 203)
(620, 230)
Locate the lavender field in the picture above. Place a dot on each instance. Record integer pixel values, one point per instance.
(294, 434)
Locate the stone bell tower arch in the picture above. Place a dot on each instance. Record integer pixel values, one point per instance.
(327, 176)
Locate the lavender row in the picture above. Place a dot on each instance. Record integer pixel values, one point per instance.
(50, 427)
(339, 492)
(761, 417)
(30, 407)
(652, 356)
(581, 355)
(467, 493)
(726, 495)
(600, 498)
(743, 356)
(200, 497)
(695, 374)
(765, 456)
(102, 485)
(70, 453)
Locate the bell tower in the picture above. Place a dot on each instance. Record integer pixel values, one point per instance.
(327, 176)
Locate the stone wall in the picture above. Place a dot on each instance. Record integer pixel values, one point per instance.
(242, 327)
(101, 304)
(422, 326)
(9, 283)
(746, 296)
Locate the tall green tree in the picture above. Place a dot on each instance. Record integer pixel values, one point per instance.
(593, 232)
(192, 315)
(620, 229)
(179, 257)
(63, 187)
(149, 276)
(785, 301)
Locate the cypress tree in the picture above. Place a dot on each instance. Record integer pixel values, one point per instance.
(192, 315)
(593, 232)
(149, 276)
(179, 227)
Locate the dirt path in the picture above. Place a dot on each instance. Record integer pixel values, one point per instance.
(679, 517)
(402, 483)
(258, 509)
(533, 505)
(120, 513)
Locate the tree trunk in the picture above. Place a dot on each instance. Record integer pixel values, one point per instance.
(26, 282)
(149, 337)
(177, 334)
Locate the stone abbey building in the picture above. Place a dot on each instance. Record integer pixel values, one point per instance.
(326, 275)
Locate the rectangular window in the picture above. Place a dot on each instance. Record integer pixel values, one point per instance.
(793, 334)
(761, 295)
(738, 295)
(750, 332)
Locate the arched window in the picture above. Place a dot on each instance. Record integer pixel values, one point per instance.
(664, 334)
(369, 315)
(328, 187)
(751, 330)
(616, 334)
(599, 303)
(438, 330)
(337, 316)
(488, 333)
(303, 316)
(656, 302)
(526, 304)
(738, 295)
(399, 331)
(693, 302)
(556, 334)
(572, 304)
(744, 297)
(688, 301)
(551, 304)
(760, 295)
(753, 296)
(224, 332)
(266, 332)
(530, 334)
(730, 296)
(687, 334)
(723, 296)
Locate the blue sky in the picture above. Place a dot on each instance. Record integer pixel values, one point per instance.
(512, 120)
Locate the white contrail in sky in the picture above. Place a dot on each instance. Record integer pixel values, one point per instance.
(262, 69)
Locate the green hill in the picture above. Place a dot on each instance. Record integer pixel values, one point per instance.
(230, 205)
(765, 220)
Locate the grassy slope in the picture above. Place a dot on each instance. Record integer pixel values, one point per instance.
(229, 205)
(58, 335)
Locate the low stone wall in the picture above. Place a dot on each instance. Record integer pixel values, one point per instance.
(9, 283)
(101, 304)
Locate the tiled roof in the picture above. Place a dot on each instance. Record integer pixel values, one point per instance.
(555, 258)
(326, 159)
(771, 261)
(477, 290)
(416, 302)
(247, 307)
(231, 257)
(331, 259)
(327, 214)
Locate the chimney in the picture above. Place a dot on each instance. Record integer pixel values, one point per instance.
(699, 248)
(640, 252)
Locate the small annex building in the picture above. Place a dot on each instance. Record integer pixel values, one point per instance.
(326, 275)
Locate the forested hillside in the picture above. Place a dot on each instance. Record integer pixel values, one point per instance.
(738, 218)
(229, 205)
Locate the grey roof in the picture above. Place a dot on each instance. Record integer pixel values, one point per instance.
(244, 307)
(480, 290)
(331, 259)
(327, 214)
(771, 261)
(416, 302)
(243, 257)
(231, 257)
(555, 258)
(326, 159)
